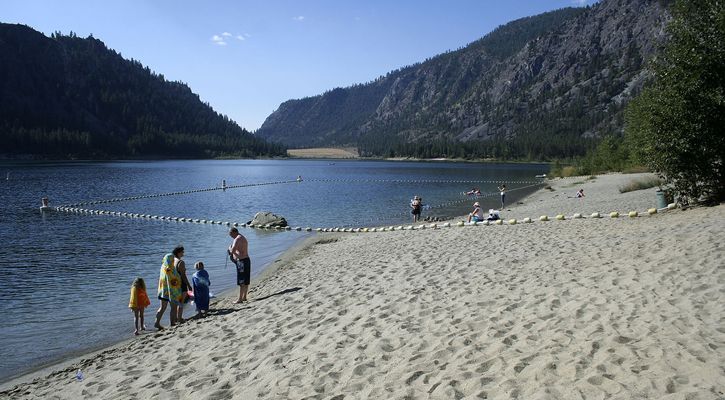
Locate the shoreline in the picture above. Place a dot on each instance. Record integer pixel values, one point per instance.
(421, 314)
(288, 256)
(297, 251)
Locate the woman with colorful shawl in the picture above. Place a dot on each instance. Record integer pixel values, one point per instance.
(169, 288)
(201, 283)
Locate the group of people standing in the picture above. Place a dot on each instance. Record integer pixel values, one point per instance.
(175, 290)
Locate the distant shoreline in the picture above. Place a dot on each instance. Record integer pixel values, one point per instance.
(321, 153)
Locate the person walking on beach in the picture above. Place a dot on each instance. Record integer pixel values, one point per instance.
(502, 189)
(416, 205)
(185, 285)
(239, 254)
(169, 288)
(201, 283)
(138, 302)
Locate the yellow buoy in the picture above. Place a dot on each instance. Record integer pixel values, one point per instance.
(512, 221)
(543, 218)
(633, 214)
(560, 217)
(613, 214)
(652, 211)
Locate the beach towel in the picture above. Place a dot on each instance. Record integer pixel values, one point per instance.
(139, 298)
(201, 283)
(170, 281)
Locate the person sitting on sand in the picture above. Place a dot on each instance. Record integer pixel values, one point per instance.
(138, 302)
(201, 283)
(476, 215)
(580, 193)
(169, 289)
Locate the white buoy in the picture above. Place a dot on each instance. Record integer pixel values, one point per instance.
(527, 220)
(543, 218)
(596, 215)
(652, 211)
(560, 217)
(577, 216)
(671, 206)
(512, 221)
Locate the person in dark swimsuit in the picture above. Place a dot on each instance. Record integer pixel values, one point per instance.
(416, 205)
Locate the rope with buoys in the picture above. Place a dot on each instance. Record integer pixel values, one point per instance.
(73, 208)
(148, 196)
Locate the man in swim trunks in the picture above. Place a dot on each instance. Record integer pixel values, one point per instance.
(416, 204)
(238, 253)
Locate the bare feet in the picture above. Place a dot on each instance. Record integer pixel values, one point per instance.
(143, 328)
(159, 327)
(239, 301)
(135, 332)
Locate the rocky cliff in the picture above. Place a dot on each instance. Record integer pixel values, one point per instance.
(559, 77)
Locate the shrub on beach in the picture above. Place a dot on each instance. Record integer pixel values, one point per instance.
(676, 124)
(640, 184)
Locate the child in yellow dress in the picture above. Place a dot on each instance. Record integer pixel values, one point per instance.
(139, 300)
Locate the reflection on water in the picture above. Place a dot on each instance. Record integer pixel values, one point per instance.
(66, 277)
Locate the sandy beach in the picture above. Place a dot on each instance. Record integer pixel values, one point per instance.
(626, 308)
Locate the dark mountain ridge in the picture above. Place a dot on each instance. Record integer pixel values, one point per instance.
(538, 87)
(66, 96)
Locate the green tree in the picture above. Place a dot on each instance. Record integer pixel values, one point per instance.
(676, 125)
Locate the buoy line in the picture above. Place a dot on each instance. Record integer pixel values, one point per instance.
(543, 219)
(148, 196)
(538, 181)
(74, 208)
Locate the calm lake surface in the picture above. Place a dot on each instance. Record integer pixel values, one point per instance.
(66, 277)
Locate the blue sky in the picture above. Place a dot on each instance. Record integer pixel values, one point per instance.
(246, 57)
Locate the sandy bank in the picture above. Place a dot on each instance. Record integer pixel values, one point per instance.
(579, 309)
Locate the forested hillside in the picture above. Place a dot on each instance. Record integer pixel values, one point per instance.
(541, 87)
(71, 97)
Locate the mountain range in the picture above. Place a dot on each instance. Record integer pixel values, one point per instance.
(539, 87)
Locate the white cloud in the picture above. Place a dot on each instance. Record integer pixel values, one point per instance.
(579, 2)
(218, 40)
(299, 18)
(222, 39)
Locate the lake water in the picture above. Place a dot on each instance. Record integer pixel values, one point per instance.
(66, 277)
